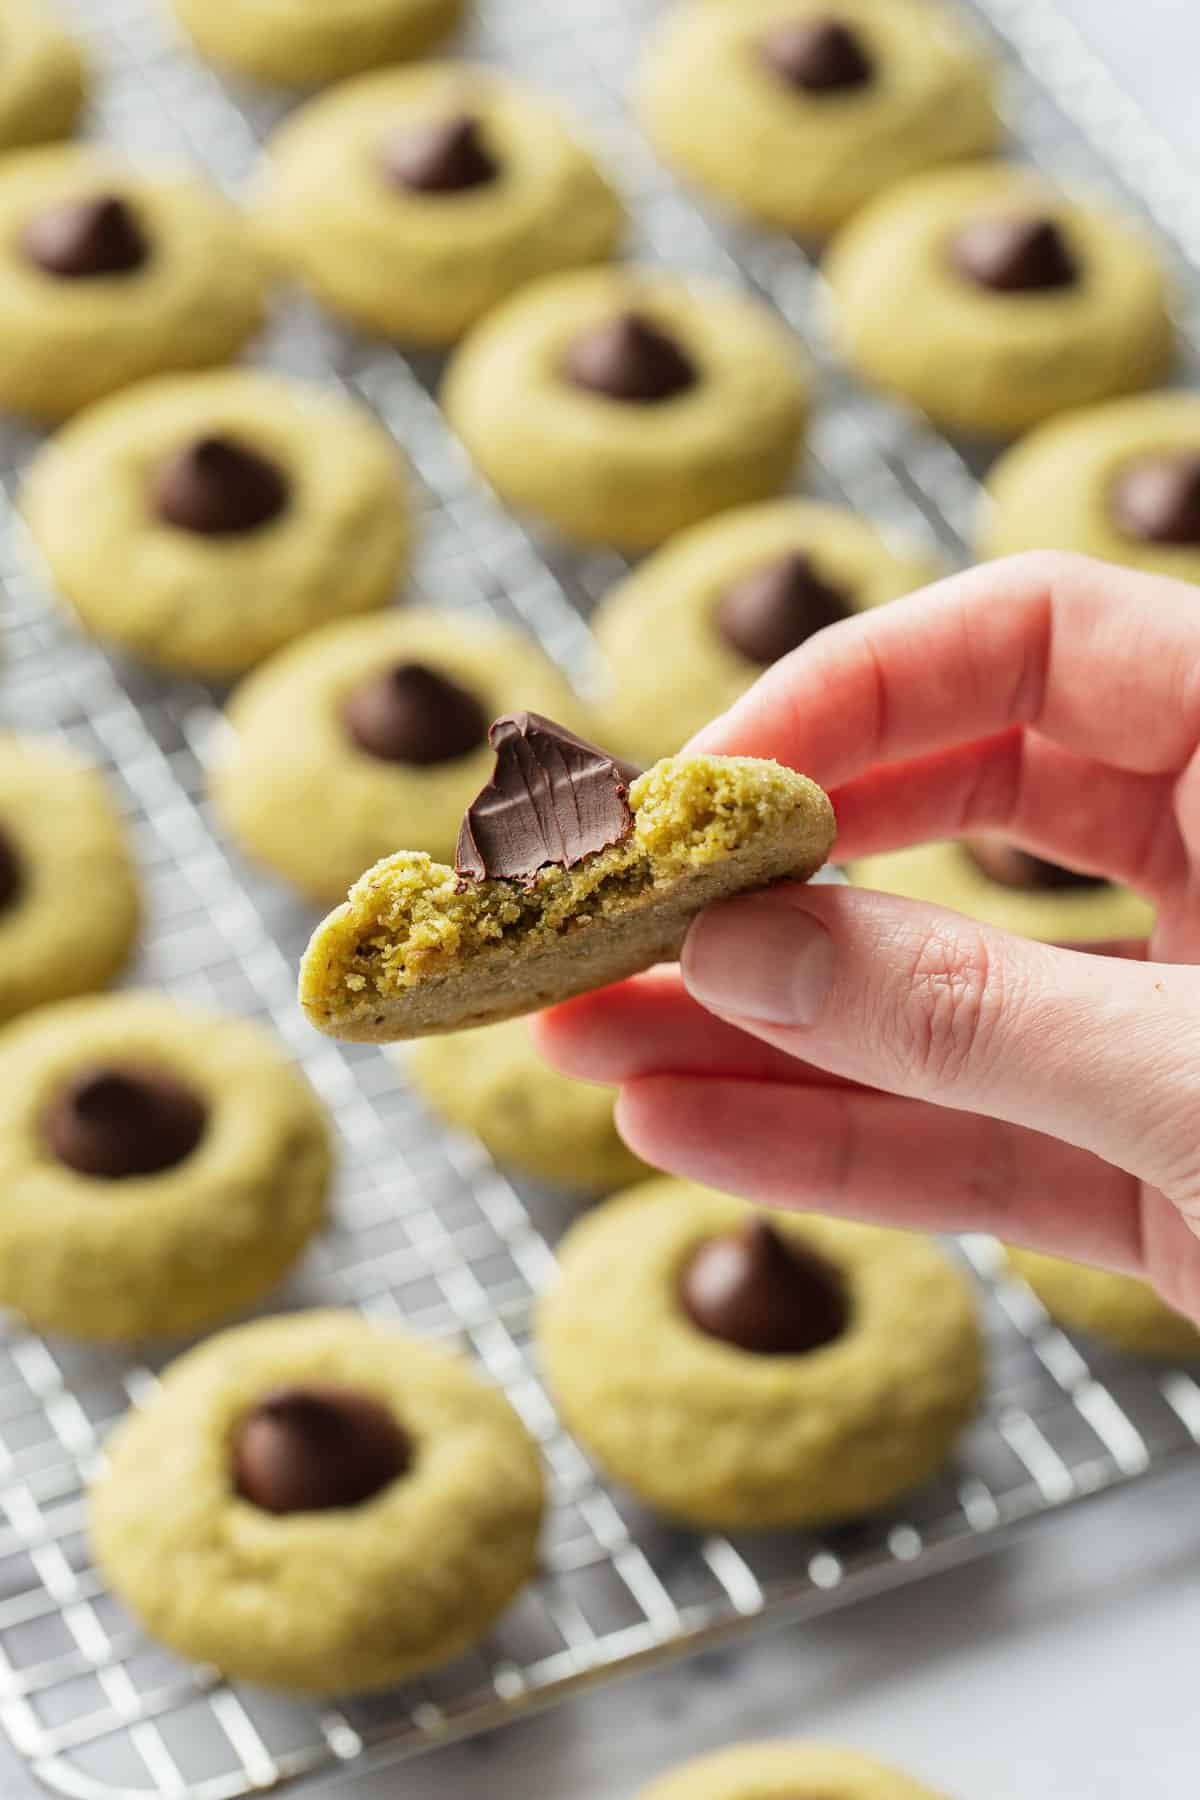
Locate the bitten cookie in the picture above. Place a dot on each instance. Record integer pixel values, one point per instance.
(201, 521)
(493, 1082)
(741, 1371)
(368, 735)
(161, 1166)
(785, 1772)
(1120, 481)
(1009, 888)
(69, 902)
(698, 622)
(107, 275)
(299, 44)
(991, 300)
(622, 405)
(320, 1504)
(43, 76)
(798, 111)
(416, 200)
(570, 874)
(1118, 1309)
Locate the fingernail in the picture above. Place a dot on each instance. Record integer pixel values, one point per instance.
(760, 958)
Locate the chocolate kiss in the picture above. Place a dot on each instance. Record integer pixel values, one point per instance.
(311, 1449)
(83, 238)
(411, 714)
(1013, 868)
(817, 55)
(114, 1122)
(11, 880)
(218, 488)
(629, 359)
(1157, 499)
(440, 156)
(777, 607)
(1014, 255)
(762, 1292)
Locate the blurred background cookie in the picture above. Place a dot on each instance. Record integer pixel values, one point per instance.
(297, 43)
(1118, 1309)
(43, 76)
(201, 521)
(413, 201)
(797, 111)
(785, 1772)
(990, 299)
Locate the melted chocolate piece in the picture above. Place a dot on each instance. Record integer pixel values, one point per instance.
(630, 359)
(819, 56)
(113, 1122)
(553, 798)
(1013, 868)
(411, 714)
(441, 156)
(310, 1449)
(84, 238)
(1014, 255)
(1156, 500)
(762, 1292)
(11, 876)
(218, 488)
(777, 607)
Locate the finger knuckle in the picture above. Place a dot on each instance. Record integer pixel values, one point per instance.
(951, 1005)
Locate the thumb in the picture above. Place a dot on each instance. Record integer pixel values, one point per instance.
(1098, 1051)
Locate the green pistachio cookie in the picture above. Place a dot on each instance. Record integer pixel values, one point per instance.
(201, 521)
(745, 1371)
(319, 1503)
(161, 1166)
(69, 900)
(1009, 889)
(785, 1772)
(414, 201)
(493, 1082)
(570, 874)
(622, 405)
(1118, 1309)
(798, 111)
(697, 622)
(990, 300)
(43, 76)
(1119, 481)
(371, 734)
(108, 274)
(298, 43)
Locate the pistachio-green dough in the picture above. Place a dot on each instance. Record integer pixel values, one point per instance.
(720, 1437)
(670, 669)
(995, 363)
(1051, 491)
(492, 1082)
(320, 1602)
(1119, 1309)
(300, 42)
(785, 1772)
(73, 920)
(614, 472)
(195, 301)
(416, 950)
(421, 268)
(296, 792)
(945, 874)
(214, 605)
(716, 111)
(43, 76)
(155, 1254)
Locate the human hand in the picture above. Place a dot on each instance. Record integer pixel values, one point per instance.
(846, 1051)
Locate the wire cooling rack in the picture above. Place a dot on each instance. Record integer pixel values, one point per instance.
(427, 1231)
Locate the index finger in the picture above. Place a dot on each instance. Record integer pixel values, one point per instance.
(1103, 660)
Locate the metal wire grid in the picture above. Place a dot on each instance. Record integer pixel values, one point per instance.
(427, 1230)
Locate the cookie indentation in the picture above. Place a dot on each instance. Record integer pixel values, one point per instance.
(115, 1122)
(82, 239)
(412, 714)
(760, 1292)
(217, 487)
(630, 359)
(316, 1449)
(777, 607)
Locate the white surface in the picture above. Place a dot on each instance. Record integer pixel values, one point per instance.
(1062, 1669)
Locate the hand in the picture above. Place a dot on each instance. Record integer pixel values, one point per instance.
(846, 1051)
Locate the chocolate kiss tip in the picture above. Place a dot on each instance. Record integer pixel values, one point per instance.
(629, 358)
(760, 1292)
(314, 1449)
(817, 55)
(1013, 255)
(440, 156)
